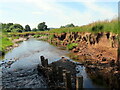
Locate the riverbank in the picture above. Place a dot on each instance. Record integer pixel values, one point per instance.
(98, 52)
(8, 43)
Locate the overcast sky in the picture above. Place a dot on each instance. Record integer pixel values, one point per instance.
(57, 12)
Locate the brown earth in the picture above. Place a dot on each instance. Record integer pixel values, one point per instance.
(98, 47)
(97, 51)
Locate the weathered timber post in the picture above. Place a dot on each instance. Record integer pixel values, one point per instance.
(68, 83)
(42, 60)
(46, 62)
(79, 83)
(60, 72)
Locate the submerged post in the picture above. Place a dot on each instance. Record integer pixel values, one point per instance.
(79, 82)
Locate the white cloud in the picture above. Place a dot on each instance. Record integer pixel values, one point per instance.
(56, 14)
(64, 15)
(104, 12)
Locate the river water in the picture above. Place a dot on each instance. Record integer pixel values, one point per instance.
(23, 73)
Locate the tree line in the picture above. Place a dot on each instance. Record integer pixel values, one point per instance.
(11, 27)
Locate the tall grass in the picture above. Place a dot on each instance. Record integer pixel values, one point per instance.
(99, 26)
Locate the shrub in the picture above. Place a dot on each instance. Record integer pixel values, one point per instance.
(97, 28)
(71, 46)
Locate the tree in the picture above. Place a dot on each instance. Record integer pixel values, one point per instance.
(16, 28)
(68, 25)
(62, 27)
(5, 27)
(42, 26)
(8, 25)
(34, 29)
(27, 28)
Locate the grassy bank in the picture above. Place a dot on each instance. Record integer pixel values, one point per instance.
(99, 26)
(4, 42)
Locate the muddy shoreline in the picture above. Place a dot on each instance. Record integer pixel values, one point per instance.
(99, 57)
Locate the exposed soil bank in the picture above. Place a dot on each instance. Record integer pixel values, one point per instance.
(97, 46)
(98, 51)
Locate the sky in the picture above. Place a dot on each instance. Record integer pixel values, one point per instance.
(57, 13)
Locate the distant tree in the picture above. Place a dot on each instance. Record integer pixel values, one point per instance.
(42, 26)
(27, 28)
(62, 27)
(5, 27)
(16, 28)
(68, 25)
(34, 29)
(8, 25)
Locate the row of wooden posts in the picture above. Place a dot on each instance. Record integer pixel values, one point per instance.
(64, 75)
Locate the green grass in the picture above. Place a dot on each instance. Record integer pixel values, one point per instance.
(99, 26)
(95, 27)
(4, 42)
(71, 46)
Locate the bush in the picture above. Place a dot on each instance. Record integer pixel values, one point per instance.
(71, 46)
(97, 28)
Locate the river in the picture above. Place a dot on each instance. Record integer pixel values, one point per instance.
(23, 74)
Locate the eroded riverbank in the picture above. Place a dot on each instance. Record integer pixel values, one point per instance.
(28, 54)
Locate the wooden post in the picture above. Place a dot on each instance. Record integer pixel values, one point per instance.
(79, 83)
(46, 62)
(60, 72)
(68, 83)
(42, 60)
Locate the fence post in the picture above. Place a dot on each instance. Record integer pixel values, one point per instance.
(79, 83)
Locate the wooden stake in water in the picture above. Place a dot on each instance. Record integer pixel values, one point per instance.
(79, 82)
(46, 62)
(42, 60)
